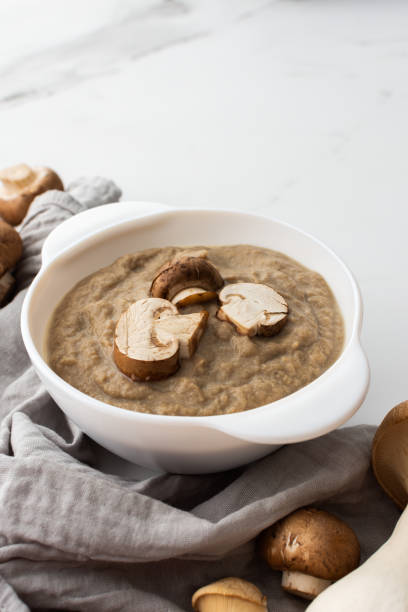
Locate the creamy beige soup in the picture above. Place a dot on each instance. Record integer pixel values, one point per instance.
(229, 372)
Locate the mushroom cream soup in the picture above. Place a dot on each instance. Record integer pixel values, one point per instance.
(228, 369)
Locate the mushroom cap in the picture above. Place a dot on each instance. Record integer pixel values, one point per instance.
(20, 185)
(313, 542)
(139, 349)
(389, 454)
(11, 247)
(185, 272)
(231, 587)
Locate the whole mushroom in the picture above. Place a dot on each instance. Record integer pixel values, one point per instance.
(312, 548)
(229, 595)
(20, 185)
(381, 583)
(11, 248)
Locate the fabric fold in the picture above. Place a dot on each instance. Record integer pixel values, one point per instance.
(78, 534)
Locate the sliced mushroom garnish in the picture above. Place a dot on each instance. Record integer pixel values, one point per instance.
(19, 186)
(193, 295)
(151, 337)
(253, 308)
(188, 330)
(183, 273)
(202, 253)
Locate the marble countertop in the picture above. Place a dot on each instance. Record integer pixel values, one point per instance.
(295, 109)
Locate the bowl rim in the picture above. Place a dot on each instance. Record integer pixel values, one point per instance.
(211, 421)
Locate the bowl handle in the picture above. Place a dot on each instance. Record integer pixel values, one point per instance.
(327, 402)
(85, 223)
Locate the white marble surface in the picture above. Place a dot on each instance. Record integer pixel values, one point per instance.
(294, 108)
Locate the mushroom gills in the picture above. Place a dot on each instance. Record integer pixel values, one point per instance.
(220, 603)
(229, 595)
(303, 585)
(6, 284)
(193, 295)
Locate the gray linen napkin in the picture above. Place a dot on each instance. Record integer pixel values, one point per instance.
(80, 530)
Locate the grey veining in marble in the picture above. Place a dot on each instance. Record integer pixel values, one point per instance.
(135, 30)
(291, 108)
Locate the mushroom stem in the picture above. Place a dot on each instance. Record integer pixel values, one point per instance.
(303, 585)
(193, 295)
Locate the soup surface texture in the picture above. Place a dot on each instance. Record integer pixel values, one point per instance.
(229, 372)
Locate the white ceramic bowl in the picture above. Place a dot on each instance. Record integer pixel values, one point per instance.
(95, 238)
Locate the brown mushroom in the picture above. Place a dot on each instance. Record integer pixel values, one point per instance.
(151, 337)
(253, 308)
(312, 548)
(184, 272)
(390, 453)
(11, 248)
(229, 595)
(20, 185)
(380, 583)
